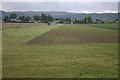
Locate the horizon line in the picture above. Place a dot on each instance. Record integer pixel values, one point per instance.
(86, 12)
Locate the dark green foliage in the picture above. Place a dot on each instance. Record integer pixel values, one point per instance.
(116, 20)
(61, 20)
(6, 19)
(43, 18)
(89, 19)
(49, 18)
(22, 18)
(85, 20)
(57, 18)
(36, 18)
(27, 19)
(67, 20)
(13, 16)
(77, 21)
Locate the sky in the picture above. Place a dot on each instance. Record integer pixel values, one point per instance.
(59, 5)
(60, 0)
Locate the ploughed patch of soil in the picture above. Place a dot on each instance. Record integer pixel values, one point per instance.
(68, 36)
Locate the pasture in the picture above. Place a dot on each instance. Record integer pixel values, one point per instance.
(59, 51)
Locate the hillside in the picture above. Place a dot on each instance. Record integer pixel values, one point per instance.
(103, 16)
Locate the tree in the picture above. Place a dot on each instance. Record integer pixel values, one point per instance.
(43, 18)
(36, 18)
(22, 18)
(61, 20)
(75, 21)
(85, 20)
(67, 20)
(89, 19)
(116, 19)
(6, 19)
(49, 18)
(57, 18)
(72, 20)
(13, 16)
(27, 19)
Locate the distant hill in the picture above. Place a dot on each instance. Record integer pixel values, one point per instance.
(103, 16)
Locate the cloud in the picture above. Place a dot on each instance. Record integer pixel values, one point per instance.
(0, 6)
(88, 12)
(89, 0)
(110, 11)
(76, 7)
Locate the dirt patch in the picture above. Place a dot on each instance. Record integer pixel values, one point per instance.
(69, 36)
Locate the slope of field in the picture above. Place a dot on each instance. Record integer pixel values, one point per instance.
(89, 60)
(14, 33)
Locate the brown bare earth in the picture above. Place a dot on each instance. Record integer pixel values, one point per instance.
(72, 36)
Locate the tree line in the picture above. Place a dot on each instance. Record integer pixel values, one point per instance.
(14, 18)
(74, 20)
(43, 18)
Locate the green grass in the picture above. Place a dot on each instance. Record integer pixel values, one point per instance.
(90, 60)
(108, 26)
(21, 35)
(0, 52)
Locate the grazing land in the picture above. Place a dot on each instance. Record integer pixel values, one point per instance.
(108, 26)
(59, 51)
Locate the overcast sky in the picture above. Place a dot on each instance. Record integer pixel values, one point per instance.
(77, 7)
(60, 0)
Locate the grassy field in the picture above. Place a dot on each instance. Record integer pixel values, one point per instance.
(108, 26)
(0, 50)
(59, 51)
